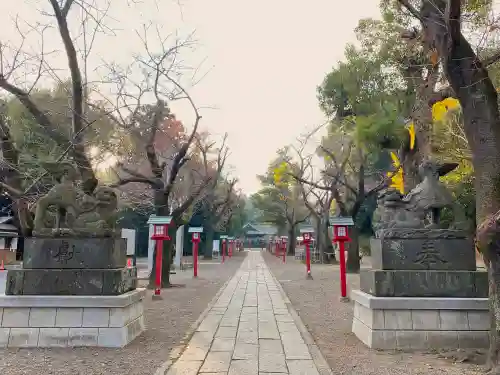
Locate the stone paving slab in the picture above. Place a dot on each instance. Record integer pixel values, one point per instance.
(248, 331)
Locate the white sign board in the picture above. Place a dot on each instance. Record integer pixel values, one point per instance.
(223, 236)
(129, 235)
(179, 246)
(195, 230)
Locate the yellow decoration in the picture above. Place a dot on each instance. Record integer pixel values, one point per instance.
(279, 174)
(411, 131)
(440, 109)
(395, 160)
(333, 206)
(397, 181)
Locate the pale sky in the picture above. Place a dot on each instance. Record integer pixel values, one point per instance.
(264, 59)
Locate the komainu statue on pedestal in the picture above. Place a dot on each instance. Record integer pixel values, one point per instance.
(74, 213)
(427, 199)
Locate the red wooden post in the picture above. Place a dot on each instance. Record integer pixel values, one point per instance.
(307, 243)
(343, 278)
(340, 235)
(160, 233)
(196, 240)
(284, 249)
(223, 250)
(159, 256)
(308, 258)
(231, 244)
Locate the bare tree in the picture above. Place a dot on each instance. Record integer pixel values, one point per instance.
(155, 76)
(317, 201)
(218, 197)
(36, 66)
(291, 196)
(345, 177)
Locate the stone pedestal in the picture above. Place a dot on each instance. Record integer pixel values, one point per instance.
(72, 292)
(420, 323)
(429, 283)
(423, 292)
(72, 266)
(71, 321)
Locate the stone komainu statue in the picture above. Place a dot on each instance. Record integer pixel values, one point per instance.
(428, 198)
(75, 211)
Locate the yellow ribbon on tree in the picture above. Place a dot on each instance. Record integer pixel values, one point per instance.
(441, 108)
(411, 132)
(397, 181)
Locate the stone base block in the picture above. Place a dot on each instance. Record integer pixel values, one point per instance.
(423, 249)
(464, 284)
(71, 321)
(67, 282)
(74, 253)
(420, 323)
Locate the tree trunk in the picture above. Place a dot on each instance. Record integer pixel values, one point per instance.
(23, 220)
(319, 237)
(478, 98)
(327, 242)
(292, 241)
(421, 116)
(161, 209)
(353, 265)
(209, 240)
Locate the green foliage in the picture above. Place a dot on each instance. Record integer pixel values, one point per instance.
(268, 201)
(383, 129)
(359, 86)
(238, 219)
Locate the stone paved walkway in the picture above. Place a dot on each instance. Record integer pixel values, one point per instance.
(248, 331)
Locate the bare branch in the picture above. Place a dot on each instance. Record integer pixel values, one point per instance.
(411, 9)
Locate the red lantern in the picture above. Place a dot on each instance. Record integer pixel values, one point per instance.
(284, 241)
(341, 235)
(196, 238)
(160, 232)
(306, 236)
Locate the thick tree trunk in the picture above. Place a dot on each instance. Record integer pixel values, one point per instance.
(319, 237)
(478, 98)
(209, 240)
(161, 209)
(23, 220)
(353, 265)
(421, 116)
(292, 241)
(327, 242)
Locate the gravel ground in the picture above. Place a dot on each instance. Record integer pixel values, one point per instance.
(167, 322)
(329, 322)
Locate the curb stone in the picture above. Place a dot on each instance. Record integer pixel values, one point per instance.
(179, 349)
(317, 356)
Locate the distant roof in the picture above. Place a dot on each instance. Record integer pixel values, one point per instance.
(264, 229)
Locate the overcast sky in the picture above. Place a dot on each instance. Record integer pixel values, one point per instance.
(264, 59)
